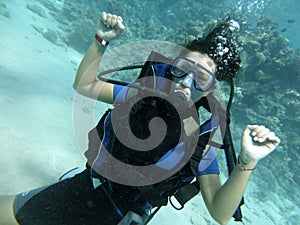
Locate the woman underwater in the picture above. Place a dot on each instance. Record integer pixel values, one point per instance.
(91, 197)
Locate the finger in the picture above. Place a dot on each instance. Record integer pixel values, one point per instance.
(256, 129)
(113, 22)
(104, 17)
(120, 24)
(266, 135)
(248, 130)
(258, 133)
(247, 138)
(251, 128)
(120, 19)
(273, 138)
(263, 134)
(108, 19)
(269, 137)
(272, 144)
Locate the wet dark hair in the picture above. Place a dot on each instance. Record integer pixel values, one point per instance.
(221, 45)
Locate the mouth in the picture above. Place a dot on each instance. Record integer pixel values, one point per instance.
(183, 92)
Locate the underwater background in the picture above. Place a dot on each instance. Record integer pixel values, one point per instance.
(43, 41)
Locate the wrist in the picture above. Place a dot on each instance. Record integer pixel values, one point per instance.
(101, 41)
(245, 166)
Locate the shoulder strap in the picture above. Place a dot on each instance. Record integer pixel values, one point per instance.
(185, 193)
(95, 137)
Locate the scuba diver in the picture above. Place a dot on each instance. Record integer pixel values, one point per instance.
(133, 169)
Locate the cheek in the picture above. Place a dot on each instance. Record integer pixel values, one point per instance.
(174, 85)
(196, 95)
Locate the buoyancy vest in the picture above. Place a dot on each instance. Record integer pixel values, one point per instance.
(156, 194)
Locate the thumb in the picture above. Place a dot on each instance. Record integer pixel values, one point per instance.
(252, 127)
(120, 24)
(247, 132)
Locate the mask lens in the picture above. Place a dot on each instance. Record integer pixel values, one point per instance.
(180, 67)
(177, 72)
(203, 78)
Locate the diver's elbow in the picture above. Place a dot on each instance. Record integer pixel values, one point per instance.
(223, 222)
(220, 219)
(77, 87)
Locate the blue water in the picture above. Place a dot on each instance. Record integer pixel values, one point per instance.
(267, 87)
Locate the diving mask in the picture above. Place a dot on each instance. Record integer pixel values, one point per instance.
(202, 76)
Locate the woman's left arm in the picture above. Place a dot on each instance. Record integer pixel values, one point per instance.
(222, 201)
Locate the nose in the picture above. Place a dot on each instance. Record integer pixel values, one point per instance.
(187, 81)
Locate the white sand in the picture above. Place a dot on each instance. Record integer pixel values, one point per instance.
(36, 131)
(36, 98)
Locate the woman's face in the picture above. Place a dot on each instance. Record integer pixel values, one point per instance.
(198, 73)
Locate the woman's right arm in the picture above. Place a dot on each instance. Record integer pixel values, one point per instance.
(86, 82)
